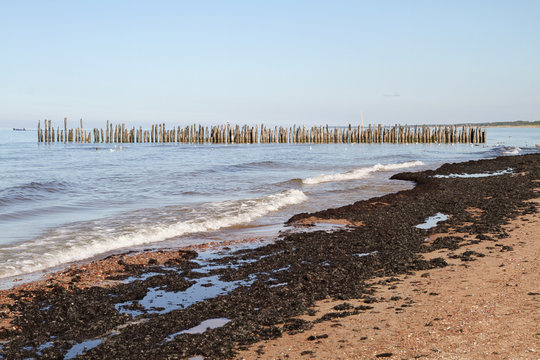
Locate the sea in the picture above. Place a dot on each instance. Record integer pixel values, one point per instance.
(69, 203)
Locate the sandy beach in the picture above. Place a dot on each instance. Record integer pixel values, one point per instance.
(447, 270)
(482, 306)
(192, 180)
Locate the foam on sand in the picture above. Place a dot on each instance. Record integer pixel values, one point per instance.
(359, 173)
(479, 175)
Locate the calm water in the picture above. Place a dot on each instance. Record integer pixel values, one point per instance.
(63, 203)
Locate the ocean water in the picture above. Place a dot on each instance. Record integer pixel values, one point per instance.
(62, 203)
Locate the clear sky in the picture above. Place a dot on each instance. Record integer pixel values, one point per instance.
(277, 62)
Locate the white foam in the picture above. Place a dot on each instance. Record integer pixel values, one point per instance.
(359, 173)
(62, 246)
(367, 254)
(478, 175)
(512, 151)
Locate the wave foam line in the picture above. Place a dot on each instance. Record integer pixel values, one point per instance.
(359, 173)
(68, 245)
(512, 151)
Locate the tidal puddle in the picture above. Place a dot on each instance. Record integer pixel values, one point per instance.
(432, 221)
(201, 328)
(80, 348)
(160, 301)
(44, 346)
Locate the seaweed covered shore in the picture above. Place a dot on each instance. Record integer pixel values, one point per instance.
(154, 309)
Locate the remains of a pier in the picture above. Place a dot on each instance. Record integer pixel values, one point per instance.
(234, 134)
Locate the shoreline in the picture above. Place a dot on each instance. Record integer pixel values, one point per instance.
(105, 271)
(271, 287)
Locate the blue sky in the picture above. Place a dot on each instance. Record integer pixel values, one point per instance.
(277, 62)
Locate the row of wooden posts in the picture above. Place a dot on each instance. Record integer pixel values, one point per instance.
(229, 134)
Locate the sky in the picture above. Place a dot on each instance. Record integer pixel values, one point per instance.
(273, 62)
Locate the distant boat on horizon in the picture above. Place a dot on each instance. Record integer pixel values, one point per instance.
(19, 129)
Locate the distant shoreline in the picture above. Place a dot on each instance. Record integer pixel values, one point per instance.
(511, 126)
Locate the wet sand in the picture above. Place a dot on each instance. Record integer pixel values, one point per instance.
(383, 288)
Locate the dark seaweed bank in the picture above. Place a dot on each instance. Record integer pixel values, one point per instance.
(212, 305)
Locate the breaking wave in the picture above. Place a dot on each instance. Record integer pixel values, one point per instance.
(359, 173)
(512, 150)
(79, 241)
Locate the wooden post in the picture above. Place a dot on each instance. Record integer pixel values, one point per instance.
(65, 127)
(82, 135)
(245, 134)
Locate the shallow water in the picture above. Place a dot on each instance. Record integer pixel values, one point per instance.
(201, 328)
(432, 221)
(81, 348)
(63, 203)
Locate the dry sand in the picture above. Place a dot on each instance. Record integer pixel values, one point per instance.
(488, 308)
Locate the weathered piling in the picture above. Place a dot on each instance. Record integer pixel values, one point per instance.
(246, 134)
